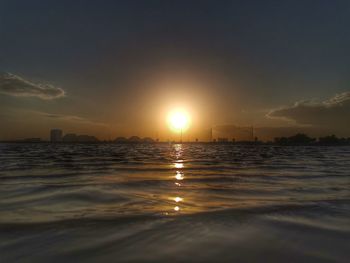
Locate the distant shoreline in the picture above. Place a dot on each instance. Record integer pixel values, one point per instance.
(299, 139)
(243, 143)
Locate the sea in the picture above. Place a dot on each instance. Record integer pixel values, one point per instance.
(174, 203)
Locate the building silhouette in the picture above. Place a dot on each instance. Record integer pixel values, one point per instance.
(239, 133)
(56, 135)
(70, 137)
(120, 139)
(86, 138)
(31, 140)
(147, 140)
(134, 139)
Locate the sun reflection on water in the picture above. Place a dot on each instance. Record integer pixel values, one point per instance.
(179, 165)
(179, 174)
(178, 199)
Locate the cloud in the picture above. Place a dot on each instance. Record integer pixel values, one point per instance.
(14, 85)
(72, 118)
(331, 113)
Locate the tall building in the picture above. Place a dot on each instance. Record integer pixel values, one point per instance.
(56, 135)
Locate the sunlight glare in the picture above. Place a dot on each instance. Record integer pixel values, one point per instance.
(178, 199)
(179, 165)
(178, 120)
(179, 176)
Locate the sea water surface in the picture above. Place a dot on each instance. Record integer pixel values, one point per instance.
(174, 203)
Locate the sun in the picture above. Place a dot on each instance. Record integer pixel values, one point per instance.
(178, 120)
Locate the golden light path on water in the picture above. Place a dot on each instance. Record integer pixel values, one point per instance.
(179, 175)
(179, 165)
(178, 199)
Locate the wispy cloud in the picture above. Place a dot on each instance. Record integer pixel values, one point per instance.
(71, 118)
(334, 112)
(14, 85)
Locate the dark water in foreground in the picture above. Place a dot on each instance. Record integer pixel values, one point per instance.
(174, 203)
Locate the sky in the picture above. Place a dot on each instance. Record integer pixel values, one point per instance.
(116, 68)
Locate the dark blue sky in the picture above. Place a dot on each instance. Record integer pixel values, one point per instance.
(262, 54)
